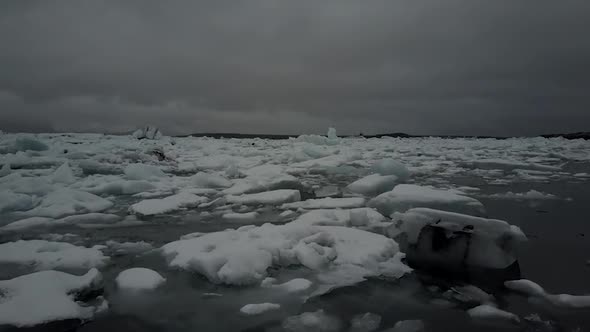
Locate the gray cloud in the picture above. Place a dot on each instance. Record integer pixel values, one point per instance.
(441, 67)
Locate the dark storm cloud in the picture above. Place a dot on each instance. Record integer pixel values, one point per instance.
(455, 66)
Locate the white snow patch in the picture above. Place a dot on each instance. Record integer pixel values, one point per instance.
(64, 174)
(391, 167)
(208, 180)
(293, 285)
(336, 217)
(531, 194)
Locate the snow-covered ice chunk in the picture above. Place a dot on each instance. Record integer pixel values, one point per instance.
(312, 321)
(208, 180)
(64, 174)
(263, 178)
(365, 322)
(327, 203)
(259, 308)
(23, 143)
(48, 296)
(11, 201)
(63, 202)
(27, 223)
(537, 293)
(45, 255)
(242, 256)
(373, 184)
(391, 167)
(493, 243)
(406, 196)
(139, 278)
(154, 206)
(486, 312)
(336, 217)
(274, 197)
(248, 216)
(143, 172)
(89, 218)
(294, 285)
(412, 325)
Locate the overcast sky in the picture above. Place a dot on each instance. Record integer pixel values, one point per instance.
(490, 67)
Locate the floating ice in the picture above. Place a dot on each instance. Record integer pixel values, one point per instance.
(537, 293)
(181, 200)
(23, 143)
(531, 194)
(407, 326)
(10, 201)
(353, 217)
(149, 132)
(48, 296)
(64, 174)
(504, 164)
(263, 178)
(493, 243)
(5, 170)
(259, 308)
(274, 197)
(486, 312)
(365, 322)
(208, 180)
(327, 203)
(139, 278)
(312, 321)
(121, 187)
(143, 172)
(391, 167)
(294, 285)
(406, 196)
(27, 223)
(63, 201)
(242, 256)
(45, 255)
(125, 248)
(248, 216)
(373, 184)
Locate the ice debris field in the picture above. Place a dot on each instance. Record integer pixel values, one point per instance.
(315, 233)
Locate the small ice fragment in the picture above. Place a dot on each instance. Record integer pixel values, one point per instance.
(365, 322)
(487, 312)
(259, 308)
(139, 278)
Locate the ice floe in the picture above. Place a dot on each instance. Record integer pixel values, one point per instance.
(327, 203)
(274, 197)
(46, 255)
(259, 308)
(47, 296)
(312, 321)
(168, 204)
(406, 196)
(536, 293)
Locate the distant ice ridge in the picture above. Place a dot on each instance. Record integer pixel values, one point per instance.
(330, 139)
(48, 296)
